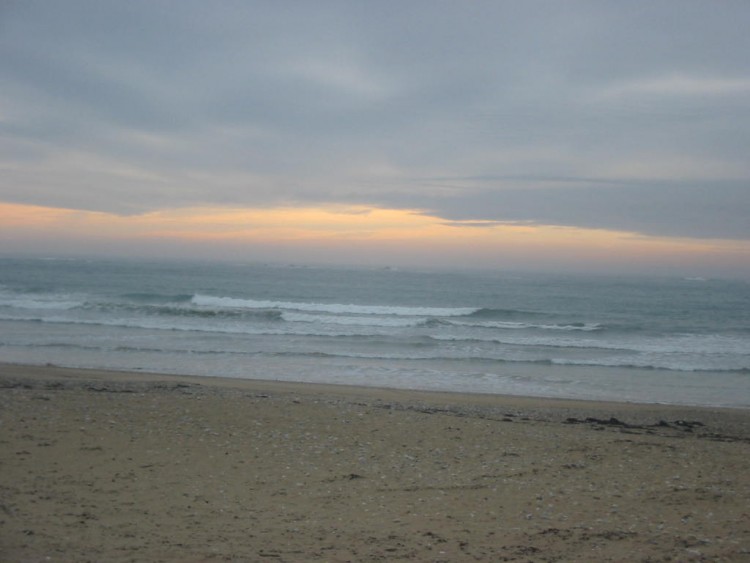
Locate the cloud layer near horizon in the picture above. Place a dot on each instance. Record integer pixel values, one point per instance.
(624, 116)
(360, 235)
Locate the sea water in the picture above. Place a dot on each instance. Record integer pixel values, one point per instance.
(665, 340)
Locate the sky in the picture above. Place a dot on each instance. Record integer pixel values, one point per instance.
(601, 136)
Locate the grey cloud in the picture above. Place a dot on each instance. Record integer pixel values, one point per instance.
(718, 211)
(492, 111)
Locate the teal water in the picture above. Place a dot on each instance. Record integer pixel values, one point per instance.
(631, 339)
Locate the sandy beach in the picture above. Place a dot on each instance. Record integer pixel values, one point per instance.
(103, 466)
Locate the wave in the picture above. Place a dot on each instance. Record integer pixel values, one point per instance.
(151, 324)
(354, 321)
(158, 297)
(634, 363)
(686, 344)
(649, 365)
(228, 322)
(39, 301)
(156, 323)
(509, 325)
(62, 345)
(531, 341)
(334, 308)
(488, 361)
(484, 312)
(186, 311)
(337, 344)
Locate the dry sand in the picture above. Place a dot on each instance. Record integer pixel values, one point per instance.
(98, 466)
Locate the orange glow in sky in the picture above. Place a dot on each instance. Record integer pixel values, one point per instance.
(342, 233)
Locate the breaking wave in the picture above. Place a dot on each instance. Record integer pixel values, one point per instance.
(334, 308)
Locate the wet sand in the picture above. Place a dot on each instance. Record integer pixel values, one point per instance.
(103, 466)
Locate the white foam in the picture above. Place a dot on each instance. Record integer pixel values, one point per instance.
(178, 326)
(368, 320)
(509, 325)
(38, 302)
(334, 308)
(515, 340)
(685, 344)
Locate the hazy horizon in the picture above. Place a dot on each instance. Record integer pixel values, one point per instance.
(427, 268)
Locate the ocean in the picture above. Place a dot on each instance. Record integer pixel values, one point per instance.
(654, 340)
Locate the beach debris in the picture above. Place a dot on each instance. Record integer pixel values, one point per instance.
(603, 422)
(685, 425)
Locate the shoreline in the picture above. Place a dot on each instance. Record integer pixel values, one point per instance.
(480, 397)
(124, 466)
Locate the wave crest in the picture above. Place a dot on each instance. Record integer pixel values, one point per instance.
(512, 325)
(333, 308)
(354, 321)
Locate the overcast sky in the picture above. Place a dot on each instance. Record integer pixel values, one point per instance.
(623, 115)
